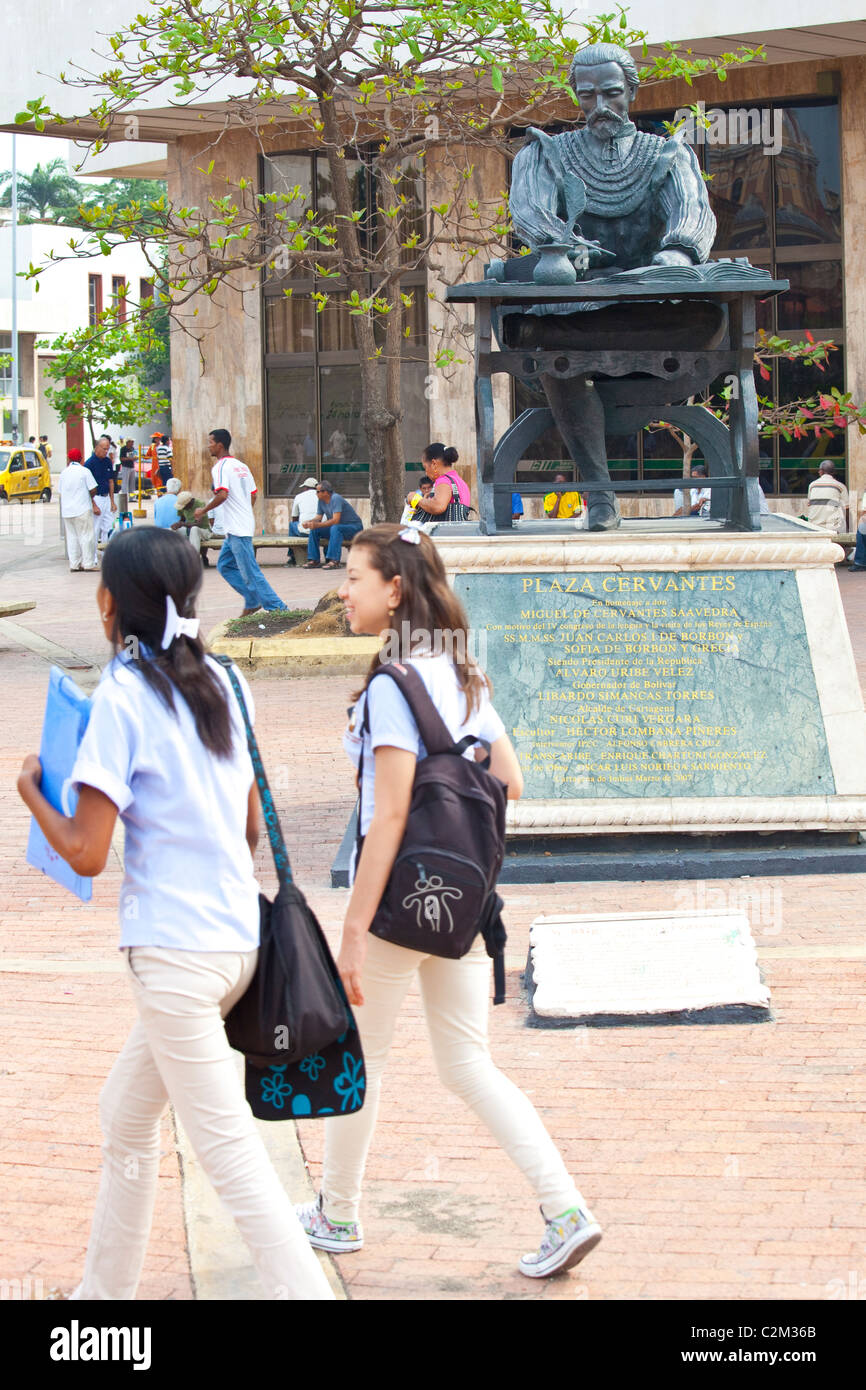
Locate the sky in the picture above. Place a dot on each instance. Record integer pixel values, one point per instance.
(31, 150)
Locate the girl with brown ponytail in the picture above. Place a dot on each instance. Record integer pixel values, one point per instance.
(396, 588)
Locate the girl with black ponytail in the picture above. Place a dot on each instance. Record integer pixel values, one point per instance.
(165, 749)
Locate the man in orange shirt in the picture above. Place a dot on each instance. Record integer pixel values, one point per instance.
(153, 467)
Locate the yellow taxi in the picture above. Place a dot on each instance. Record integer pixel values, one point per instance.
(23, 473)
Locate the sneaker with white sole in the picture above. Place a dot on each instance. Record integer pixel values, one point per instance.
(336, 1236)
(567, 1239)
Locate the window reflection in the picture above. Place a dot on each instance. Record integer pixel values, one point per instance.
(799, 458)
(662, 455)
(739, 191)
(815, 297)
(289, 324)
(291, 425)
(288, 177)
(622, 455)
(334, 325)
(343, 444)
(808, 177)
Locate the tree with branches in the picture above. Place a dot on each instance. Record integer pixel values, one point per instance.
(95, 377)
(821, 416)
(392, 82)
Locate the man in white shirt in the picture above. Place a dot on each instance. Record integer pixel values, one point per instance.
(304, 508)
(827, 499)
(77, 488)
(699, 497)
(234, 488)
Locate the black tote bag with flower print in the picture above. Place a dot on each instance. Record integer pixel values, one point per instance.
(294, 1024)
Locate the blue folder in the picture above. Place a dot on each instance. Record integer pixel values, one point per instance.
(67, 710)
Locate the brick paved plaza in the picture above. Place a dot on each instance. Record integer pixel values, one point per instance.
(722, 1161)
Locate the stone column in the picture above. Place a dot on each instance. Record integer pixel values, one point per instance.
(852, 112)
(217, 380)
(451, 401)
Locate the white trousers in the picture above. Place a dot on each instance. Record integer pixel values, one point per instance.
(178, 1052)
(456, 999)
(195, 535)
(80, 540)
(105, 520)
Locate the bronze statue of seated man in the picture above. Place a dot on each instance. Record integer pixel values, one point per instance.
(614, 199)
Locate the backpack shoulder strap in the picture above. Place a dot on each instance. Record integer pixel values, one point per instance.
(435, 734)
(269, 810)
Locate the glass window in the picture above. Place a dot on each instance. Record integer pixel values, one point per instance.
(623, 456)
(326, 203)
(289, 324)
(118, 296)
(662, 455)
(815, 297)
(94, 304)
(289, 176)
(334, 324)
(325, 200)
(291, 427)
(799, 458)
(739, 190)
(344, 445)
(315, 417)
(808, 179)
(549, 449)
(416, 415)
(415, 319)
(410, 222)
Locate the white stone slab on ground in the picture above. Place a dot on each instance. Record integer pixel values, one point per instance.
(620, 968)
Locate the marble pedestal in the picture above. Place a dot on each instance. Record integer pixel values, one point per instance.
(669, 678)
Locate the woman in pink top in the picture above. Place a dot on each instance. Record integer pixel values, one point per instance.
(451, 499)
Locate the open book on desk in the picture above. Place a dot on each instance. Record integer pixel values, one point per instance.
(67, 710)
(710, 273)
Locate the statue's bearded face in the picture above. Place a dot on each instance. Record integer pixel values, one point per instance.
(604, 97)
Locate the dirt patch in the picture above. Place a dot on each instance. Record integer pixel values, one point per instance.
(267, 624)
(327, 619)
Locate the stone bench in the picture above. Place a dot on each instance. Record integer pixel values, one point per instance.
(262, 543)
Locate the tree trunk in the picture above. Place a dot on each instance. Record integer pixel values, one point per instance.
(394, 468)
(378, 418)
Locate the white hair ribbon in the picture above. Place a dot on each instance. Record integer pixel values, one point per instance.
(175, 625)
(411, 534)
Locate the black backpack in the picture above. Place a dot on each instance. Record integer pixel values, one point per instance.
(442, 889)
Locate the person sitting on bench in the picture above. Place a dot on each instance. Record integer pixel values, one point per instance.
(335, 522)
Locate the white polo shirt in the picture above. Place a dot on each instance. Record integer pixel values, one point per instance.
(75, 486)
(188, 882)
(305, 507)
(236, 512)
(392, 724)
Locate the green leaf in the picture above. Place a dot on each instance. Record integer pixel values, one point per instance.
(496, 79)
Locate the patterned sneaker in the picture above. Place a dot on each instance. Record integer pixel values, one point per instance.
(336, 1236)
(567, 1239)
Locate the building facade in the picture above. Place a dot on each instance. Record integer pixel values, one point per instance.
(71, 294)
(787, 181)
